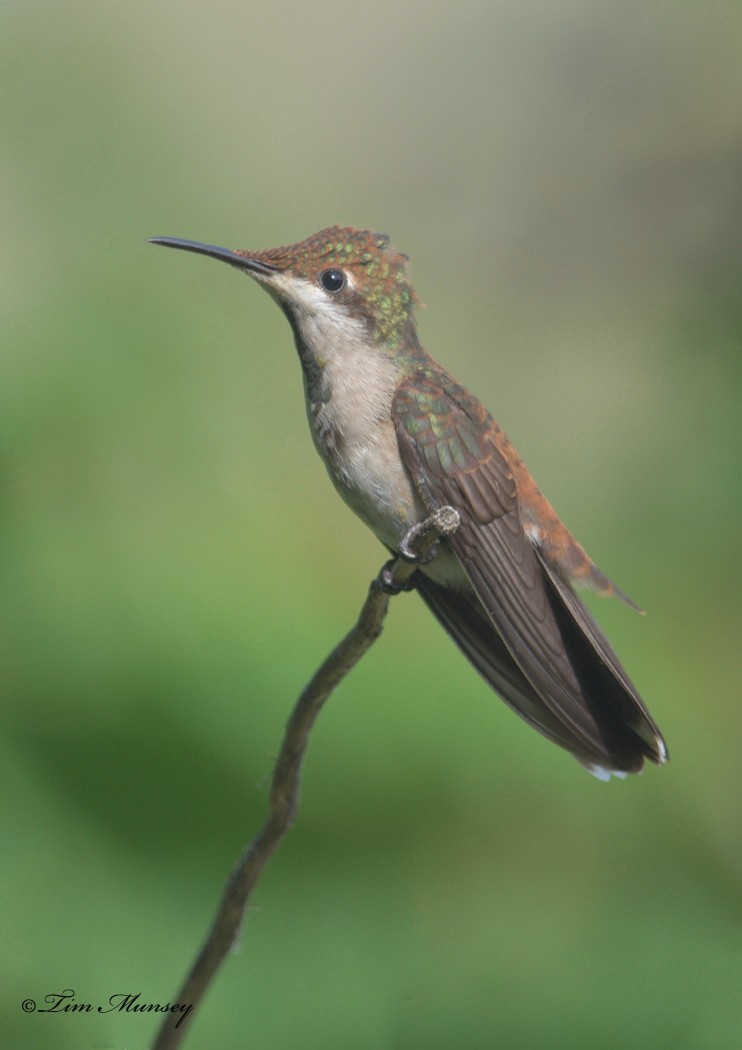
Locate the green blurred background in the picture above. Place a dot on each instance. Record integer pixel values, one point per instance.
(567, 180)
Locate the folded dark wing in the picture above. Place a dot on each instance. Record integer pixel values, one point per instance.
(577, 692)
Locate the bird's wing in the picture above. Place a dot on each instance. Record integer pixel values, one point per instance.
(451, 447)
(464, 618)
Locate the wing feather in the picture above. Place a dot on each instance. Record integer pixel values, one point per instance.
(463, 617)
(545, 655)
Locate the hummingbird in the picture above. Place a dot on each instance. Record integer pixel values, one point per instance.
(400, 438)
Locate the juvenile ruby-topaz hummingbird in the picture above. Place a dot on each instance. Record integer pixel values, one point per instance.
(401, 438)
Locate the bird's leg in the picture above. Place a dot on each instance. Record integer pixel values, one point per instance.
(407, 545)
(416, 546)
(388, 584)
(419, 546)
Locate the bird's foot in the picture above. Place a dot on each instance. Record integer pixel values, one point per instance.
(442, 522)
(423, 536)
(407, 544)
(385, 580)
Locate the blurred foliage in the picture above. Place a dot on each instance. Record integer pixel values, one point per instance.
(566, 178)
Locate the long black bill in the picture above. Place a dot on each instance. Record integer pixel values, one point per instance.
(243, 262)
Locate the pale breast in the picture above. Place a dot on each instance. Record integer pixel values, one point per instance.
(355, 436)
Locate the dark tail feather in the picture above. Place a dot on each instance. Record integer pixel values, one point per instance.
(619, 747)
(607, 686)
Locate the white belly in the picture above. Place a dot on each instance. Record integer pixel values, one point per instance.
(363, 459)
(366, 468)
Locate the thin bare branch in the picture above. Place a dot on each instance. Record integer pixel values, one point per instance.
(284, 794)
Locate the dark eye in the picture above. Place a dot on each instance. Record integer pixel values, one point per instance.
(332, 280)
